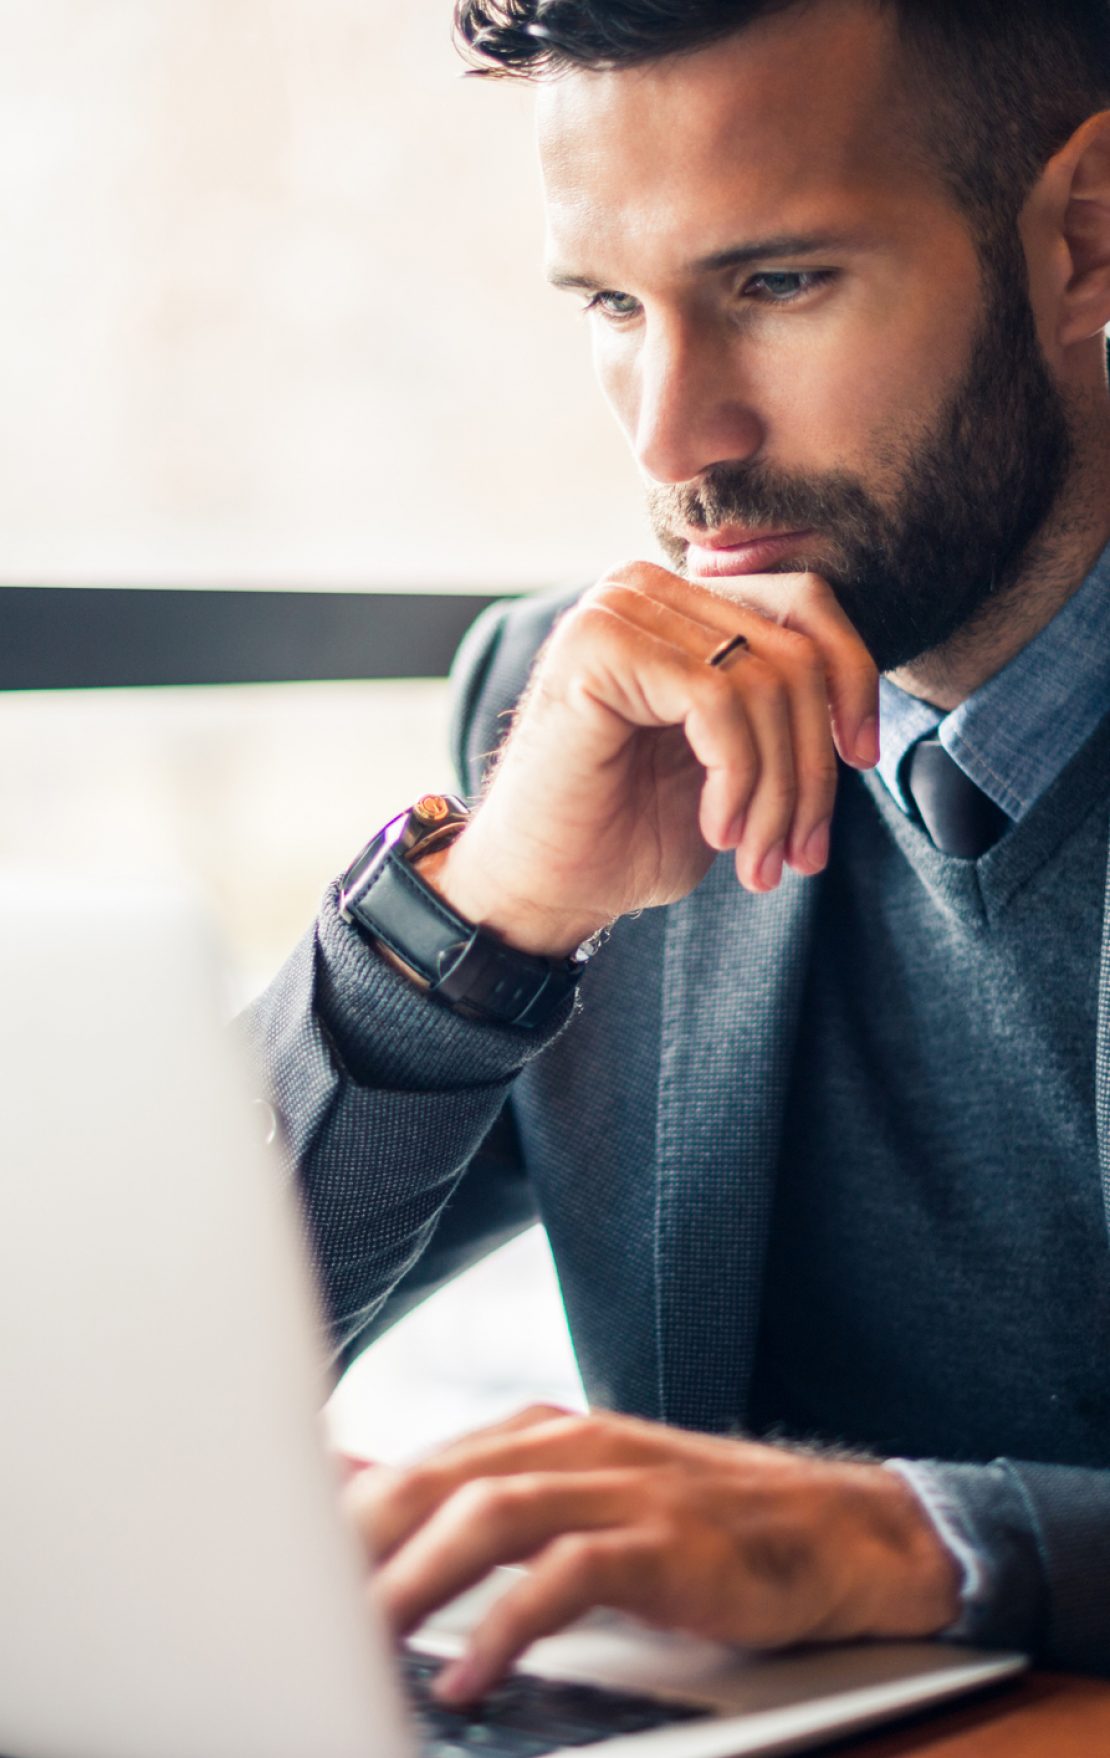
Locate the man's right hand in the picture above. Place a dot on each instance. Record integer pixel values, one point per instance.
(632, 762)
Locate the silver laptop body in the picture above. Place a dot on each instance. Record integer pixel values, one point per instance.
(175, 1578)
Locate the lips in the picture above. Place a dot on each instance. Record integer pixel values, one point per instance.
(730, 553)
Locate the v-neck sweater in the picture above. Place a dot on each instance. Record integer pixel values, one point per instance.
(938, 1274)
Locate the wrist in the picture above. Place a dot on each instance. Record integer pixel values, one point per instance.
(463, 966)
(918, 1594)
(462, 878)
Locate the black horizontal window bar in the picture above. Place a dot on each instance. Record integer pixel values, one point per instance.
(71, 638)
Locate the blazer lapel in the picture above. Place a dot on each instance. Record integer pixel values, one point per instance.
(734, 969)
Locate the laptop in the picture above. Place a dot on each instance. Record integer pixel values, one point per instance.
(177, 1579)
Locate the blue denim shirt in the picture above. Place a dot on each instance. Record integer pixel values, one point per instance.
(1021, 729)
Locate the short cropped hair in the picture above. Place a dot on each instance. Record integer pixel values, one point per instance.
(1002, 84)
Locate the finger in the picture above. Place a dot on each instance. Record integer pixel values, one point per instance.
(761, 831)
(807, 604)
(800, 666)
(800, 663)
(681, 624)
(804, 603)
(388, 1506)
(644, 593)
(675, 619)
(626, 677)
(491, 1521)
(729, 784)
(577, 1572)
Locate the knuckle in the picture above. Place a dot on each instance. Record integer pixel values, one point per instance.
(665, 1533)
(483, 1501)
(591, 632)
(540, 1412)
(780, 793)
(717, 689)
(618, 593)
(814, 586)
(820, 771)
(673, 1485)
(571, 1426)
(792, 645)
(766, 683)
(633, 573)
(591, 617)
(495, 1504)
(807, 659)
(416, 1488)
(576, 1557)
(593, 595)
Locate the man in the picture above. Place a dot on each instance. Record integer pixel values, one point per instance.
(822, 1160)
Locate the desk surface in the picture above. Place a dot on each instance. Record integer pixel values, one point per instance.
(1043, 1715)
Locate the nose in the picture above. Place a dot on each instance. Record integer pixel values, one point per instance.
(687, 407)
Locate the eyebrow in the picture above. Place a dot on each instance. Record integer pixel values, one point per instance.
(738, 256)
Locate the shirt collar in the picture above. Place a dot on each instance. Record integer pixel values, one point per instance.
(903, 720)
(1020, 729)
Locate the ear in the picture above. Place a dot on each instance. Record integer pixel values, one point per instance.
(1071, 203)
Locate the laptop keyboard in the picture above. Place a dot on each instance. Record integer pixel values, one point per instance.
(527, 1716)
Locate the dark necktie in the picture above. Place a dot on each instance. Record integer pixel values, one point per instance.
(959, 817)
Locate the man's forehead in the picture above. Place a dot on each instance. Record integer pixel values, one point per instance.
(801, 104)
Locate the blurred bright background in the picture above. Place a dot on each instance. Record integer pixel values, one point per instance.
(274, 309)
(274, 317)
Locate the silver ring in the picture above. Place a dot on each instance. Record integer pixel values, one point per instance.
(735, 644)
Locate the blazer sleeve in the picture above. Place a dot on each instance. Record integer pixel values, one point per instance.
(1040, 1536)
(393, 1112)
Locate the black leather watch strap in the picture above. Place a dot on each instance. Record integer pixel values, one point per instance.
(467, 968)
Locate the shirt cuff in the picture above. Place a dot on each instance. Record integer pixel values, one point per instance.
(954, 1532)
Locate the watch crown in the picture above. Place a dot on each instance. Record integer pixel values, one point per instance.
(432, 809)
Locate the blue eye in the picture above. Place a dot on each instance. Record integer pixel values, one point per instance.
(784, 286)
(615, 306)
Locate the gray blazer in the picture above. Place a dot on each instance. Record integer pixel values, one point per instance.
(644, 1133)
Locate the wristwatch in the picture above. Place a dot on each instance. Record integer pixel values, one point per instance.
(468, 969)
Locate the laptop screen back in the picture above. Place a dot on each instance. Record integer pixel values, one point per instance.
(175, 1579)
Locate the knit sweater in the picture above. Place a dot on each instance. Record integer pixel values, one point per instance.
(937, 1276)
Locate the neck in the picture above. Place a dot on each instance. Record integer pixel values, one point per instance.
(1054, 567)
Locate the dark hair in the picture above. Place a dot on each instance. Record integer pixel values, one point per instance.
(1003, 83)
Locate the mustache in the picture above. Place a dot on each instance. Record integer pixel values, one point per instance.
(758, 498)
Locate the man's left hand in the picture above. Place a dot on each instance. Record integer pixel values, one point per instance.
(740, 1542)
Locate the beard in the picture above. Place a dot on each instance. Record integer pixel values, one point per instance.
(973, 490)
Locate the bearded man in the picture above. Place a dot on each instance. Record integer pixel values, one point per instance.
(821, 1137)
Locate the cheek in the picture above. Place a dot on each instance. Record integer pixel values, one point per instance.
(853, 397)
(819, 408)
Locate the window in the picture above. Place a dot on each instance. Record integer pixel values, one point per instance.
(276, 320)
(275, 314)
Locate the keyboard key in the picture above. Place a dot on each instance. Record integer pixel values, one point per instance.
(527, 1716)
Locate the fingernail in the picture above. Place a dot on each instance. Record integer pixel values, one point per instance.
(460, 1682)
(867, 743)
(816, 852)
(770, 871)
